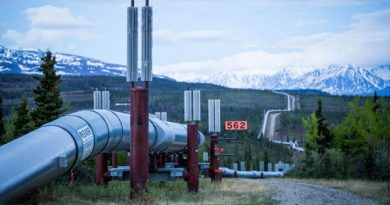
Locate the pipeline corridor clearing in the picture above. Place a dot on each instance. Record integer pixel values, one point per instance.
(230, 191)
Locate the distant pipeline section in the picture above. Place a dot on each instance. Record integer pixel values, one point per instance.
(47, 153)
(226, 172)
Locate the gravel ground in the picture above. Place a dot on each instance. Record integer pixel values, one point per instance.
(301, 193)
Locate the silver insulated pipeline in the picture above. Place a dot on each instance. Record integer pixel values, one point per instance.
(48, 152)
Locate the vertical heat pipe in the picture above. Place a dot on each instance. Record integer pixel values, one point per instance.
(132, 43)
(214, 128)
(147, 43)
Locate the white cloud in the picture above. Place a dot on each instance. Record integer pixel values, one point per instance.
(248, 62)
(316, 2)
(207, 35)
(13, 35)
(55, 17)
(310, 22)
(51, 26)
(170, 37)
(366, 42)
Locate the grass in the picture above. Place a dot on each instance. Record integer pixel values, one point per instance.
(230, 191)
(376, 190)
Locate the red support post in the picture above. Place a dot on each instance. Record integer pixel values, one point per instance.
(215, 172)
(101, 169)
(114, 162)
(192, 163)
(139, 150)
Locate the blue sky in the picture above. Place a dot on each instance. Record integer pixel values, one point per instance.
(193, 38)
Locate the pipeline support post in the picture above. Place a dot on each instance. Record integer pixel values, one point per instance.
(215, 172)
(102, 175)
(139, 150)
(139, 114)
(192, 166)
(101, 159)
(114, 161)
(192, 117)
(214, 112)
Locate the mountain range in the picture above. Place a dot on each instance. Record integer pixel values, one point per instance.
(334, 79)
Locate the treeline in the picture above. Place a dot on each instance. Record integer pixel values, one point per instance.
(357, 147)
(248, 149)
(47, 100)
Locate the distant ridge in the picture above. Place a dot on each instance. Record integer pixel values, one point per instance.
(334, 79)
(27, 61)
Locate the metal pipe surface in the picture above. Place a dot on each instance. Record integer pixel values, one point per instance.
(147, 43)
(139, 150)
(132, 44)
(39, 157)
(226, 172)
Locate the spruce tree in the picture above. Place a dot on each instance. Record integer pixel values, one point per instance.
(325, 137)
(47, 97)
(23, 123)
(266, 160)
(376, 106)
(2, 127)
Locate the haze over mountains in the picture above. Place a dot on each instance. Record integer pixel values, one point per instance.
(334, 79)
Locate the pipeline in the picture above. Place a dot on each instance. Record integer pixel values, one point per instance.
(226, 172)
(290, 107)
(291, 144)
(39, 157)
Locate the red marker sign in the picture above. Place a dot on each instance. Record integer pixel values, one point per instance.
(236, 125)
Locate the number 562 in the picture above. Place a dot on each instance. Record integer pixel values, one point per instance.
(236, 125)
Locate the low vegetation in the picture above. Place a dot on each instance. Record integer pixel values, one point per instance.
(230, 191)
(358, 147)
(376, 190)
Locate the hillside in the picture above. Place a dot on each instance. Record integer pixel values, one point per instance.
(167, 95)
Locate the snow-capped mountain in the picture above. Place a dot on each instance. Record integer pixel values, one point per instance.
(334, 79)
(27, 61)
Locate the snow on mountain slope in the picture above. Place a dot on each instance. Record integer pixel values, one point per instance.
(334, 79)
(27, 61)
(346, 80)
(382, 71)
